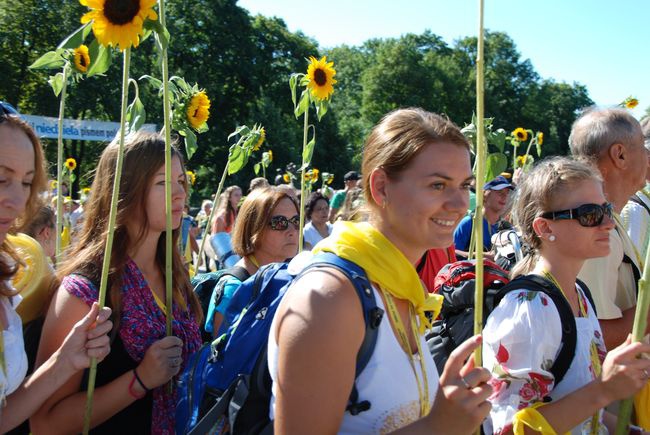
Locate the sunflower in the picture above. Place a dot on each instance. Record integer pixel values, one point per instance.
(198, 110)
(260, 141)
(81, 58)
(330, 178)
(286, 177)
(119, 23)
(521, 161)
(191, 177)
(314, 175)
(520, 134)
(53, 184)
(321, 77)
(631, 103)
(71, 164)
(85, 190)
(540, 138)
(270, 155)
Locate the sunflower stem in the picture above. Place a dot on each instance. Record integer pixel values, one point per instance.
(480, 178)
(530, 144)
(302, 180)
(215, 204)
(111, 230)
(59, 166)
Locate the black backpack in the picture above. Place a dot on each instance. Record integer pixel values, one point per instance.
(210, 285)
(456, 321)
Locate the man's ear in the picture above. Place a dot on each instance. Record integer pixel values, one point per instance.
(618, 155)
(378, 183)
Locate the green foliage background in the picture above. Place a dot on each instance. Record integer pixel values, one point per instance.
(244, 63)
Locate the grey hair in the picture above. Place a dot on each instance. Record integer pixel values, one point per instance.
(645, 127)
(597, 129)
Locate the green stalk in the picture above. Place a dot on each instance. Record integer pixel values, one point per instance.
(59, 167)
(263, 171)
(111, 230)
(638, 332)
(215, 205)
(302, 180)
(480, 176)
(527, 151)
(168, 178)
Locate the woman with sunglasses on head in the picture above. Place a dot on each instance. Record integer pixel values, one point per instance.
(266, 231)
(563, 215)
(22, 180)
(131, 390)
(416, 177)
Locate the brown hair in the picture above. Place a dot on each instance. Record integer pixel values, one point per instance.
(8, 258)
(254, 217)
(144, 154)
(399, 137)
(226, 206)
(535, 196)
(44, 218)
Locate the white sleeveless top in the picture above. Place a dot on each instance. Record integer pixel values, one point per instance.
(387, 382)
(14, 351)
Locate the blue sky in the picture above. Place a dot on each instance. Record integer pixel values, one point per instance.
(601, 44)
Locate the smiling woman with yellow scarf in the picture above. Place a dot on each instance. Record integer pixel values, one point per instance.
(416, 177)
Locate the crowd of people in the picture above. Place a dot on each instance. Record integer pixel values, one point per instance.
(582, 219)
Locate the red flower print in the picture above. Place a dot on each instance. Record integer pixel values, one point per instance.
(502, 354)
(527, 392)
(542, 383)
(497, 385)
(544, 300)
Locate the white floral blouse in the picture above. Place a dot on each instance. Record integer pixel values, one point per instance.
(522, 338)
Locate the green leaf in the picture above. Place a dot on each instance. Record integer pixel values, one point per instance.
(256, 168)
(100, 59)
(135, 116)
(266, 159)
(50, 60)
(161, 33)
(242, 130)
(292, 85)
(182, 84)
(76, 38)
(321, 108)
(237, 159)
(308, 152)
(72, 177)
(156, 83)
(538, 148)
(495, 164)
(56, 81)
(498, 139)
(190, 143)
(303, 105)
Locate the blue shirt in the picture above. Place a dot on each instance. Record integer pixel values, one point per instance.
(230, 287)
(463, 233)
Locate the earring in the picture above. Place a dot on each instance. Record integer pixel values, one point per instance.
(551, 238)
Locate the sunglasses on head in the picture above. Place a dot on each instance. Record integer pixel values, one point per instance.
(587, 215)
(281, 223)
(7, 109)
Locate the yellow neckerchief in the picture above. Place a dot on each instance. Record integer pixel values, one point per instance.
(625, 238)
(423, 385)
(254, 260)
(384, 264)
(593, 349)
(532, 418)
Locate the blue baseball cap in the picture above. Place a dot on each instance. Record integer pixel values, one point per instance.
(498, 183)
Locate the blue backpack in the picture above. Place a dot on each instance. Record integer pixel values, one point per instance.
(226, 385)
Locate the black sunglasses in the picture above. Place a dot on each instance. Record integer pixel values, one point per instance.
(587, 215)
(281, 223)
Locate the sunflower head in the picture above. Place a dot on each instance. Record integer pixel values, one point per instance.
(119, 23)
(71, 164)
(631, 102)
(270, 155)
(314, 175)
(260, 141)
(85, 190)
(191, 177)
(520, 134)
(328, 179)
(540, 138)
(81, 58)
(321, 77)
(198, 110)
(286, 177)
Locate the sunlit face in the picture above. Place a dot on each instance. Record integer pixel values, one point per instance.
(155, 205)
(429, 198)
(320, 212)
(636, 174)
(17, 169)
(235, 197)
(278, 244)
(571, 238)
(497, 200)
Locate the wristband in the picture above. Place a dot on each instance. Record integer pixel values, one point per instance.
(133, 393)
(634, 430)
(135, 373)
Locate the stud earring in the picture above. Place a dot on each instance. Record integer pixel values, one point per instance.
(551, 238)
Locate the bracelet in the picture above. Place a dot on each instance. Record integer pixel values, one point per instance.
(634, 430)
(133, 393)
(135, 373)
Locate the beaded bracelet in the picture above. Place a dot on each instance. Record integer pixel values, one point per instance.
(135, 373)
(132, 393)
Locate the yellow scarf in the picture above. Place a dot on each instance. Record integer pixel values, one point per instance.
(384, 264)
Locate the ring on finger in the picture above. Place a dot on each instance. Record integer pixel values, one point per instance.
(465, 383)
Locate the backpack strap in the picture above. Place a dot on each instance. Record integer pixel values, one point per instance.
(372, 316)
(587, 293)
(533, 282)
(635, 269)
(637, 200)
(237, 271)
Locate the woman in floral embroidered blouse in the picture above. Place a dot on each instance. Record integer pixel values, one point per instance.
(131, 393)
(562, 213)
